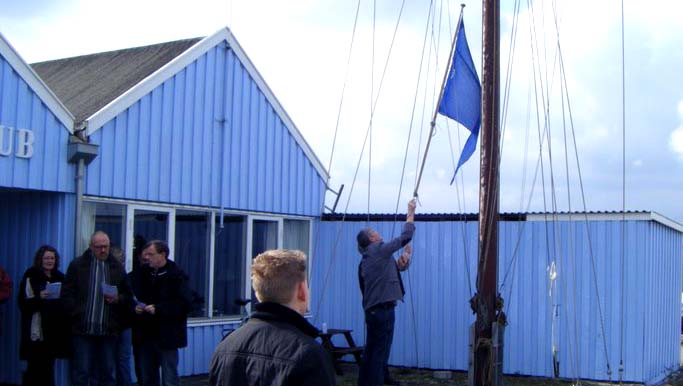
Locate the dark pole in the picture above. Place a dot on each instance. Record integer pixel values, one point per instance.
(485, 301)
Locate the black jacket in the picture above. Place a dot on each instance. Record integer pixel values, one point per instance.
(76, 288)
(168, 290)
(54, 322)
(276, 347)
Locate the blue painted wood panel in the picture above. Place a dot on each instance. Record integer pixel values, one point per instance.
(206, 136)
(21, 108)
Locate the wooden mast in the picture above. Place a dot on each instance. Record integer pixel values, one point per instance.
(487, 350)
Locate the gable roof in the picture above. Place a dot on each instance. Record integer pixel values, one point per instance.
(36, 84)
(88, 83)
(186, 52)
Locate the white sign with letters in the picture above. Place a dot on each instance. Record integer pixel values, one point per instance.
(16, 141)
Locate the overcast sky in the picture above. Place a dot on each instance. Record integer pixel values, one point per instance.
(301, 48)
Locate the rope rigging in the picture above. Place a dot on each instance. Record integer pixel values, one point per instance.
(623, 197)
(555, 256)
(360, 158)
(512, 262)
(334, 142)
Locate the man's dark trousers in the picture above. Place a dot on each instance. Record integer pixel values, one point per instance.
(379, 321)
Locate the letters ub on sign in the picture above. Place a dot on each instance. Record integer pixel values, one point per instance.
(16, 141)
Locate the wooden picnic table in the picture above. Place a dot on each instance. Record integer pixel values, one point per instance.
(338, 352)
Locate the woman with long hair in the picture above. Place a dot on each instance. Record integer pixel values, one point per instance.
(44, 325)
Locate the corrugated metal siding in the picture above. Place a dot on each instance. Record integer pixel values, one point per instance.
(524, 287)
(21, 108)
(662, 308)
(27, 221)
(438, 293)
(201, 343)
(439, 329)
(205, 137)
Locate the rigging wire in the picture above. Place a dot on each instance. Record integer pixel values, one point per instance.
(535, 56)
(346, 77)
(424, 107)
(522, 226)
(592, 257)
(508, 74)
(334, 142)
(623, 196)
(360, 158)
(372, 91)
(403, 168)
(575, 359)
(463, 217)
(460, 189)
(552, 267)
(513, 260)
(586, 224)
(563, 281)
(508, 83)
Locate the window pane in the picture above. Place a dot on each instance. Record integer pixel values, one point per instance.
(108, 218)
(148, 225)
(296, 235)
(151, 225)
(229, 265)
(192, 254)
(264, 236)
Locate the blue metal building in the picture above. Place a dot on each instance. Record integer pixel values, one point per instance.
(561, 281)
(181, 141)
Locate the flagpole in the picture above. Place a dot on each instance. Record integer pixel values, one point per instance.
(432, 124)
(488, 334)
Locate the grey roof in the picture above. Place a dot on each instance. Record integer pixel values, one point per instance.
(87, 83)
(506, 216)
(629, 215)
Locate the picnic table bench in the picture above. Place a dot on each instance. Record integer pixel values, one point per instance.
(338, 352)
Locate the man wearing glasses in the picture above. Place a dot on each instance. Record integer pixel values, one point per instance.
(95, 293)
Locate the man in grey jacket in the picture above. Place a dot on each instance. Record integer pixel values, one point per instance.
(381, 287)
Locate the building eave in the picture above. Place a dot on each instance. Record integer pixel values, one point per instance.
(36, 84)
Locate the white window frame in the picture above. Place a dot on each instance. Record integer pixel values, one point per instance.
(170, 209)
(250, 247)
(130, 225)
(212, 254)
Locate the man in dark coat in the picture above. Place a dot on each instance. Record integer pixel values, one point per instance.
(277, 345)
(381, 286)
(160, 327)
(95, 293)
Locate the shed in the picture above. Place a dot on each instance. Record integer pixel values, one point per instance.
(597, 314)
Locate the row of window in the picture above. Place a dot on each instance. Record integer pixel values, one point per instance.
(214, 251)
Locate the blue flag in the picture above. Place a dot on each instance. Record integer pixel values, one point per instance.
(461, 99)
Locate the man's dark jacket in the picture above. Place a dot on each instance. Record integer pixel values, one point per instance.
(276, 347)
(75, 290)
(168, 290)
